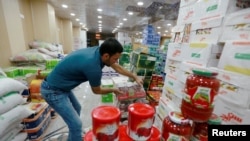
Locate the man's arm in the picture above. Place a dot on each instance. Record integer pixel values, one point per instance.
(127, 73)
(100, 90)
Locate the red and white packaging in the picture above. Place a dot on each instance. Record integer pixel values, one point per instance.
(105, 123)
(140, 121)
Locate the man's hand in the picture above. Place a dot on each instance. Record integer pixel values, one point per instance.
(139, 81)
(117, 92)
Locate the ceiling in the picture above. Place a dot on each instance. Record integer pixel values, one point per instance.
(159, 13)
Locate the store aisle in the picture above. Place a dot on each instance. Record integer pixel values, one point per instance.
(88, 101)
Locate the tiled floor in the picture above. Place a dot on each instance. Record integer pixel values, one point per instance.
(88, 101)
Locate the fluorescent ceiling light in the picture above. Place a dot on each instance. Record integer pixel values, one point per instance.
(140, 3)
(64, 6)
(130, 13)
(100, 10)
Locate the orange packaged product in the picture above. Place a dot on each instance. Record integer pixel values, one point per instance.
(35, 86)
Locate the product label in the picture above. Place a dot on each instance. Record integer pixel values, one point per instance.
(243, 56)
(196, 55)
(174, 137)
(212, 8)
(140, 129)
(201, 97)
(107, 132)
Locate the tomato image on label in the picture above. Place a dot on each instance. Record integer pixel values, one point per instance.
(200, 97)
(142, 131)
(144, 128)
(107, 133)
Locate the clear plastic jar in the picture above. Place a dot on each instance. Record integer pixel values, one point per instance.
(176, 127)
(200, 90)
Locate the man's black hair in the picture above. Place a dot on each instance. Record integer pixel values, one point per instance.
(111, 46)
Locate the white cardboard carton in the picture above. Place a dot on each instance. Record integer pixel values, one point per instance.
(215, 8)
(158, 121)
(172, 65)
(175, 51)
(234, 87)
(178, 32)
(237, 26)
(235, 57)
(233, 78)
(206, 30)
(187, 14)
(187, 2)
(231, 113)
(166, 105)
(173, 86)
(237, 95)
(201, 53)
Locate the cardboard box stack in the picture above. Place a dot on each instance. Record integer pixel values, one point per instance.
(132, 93)
(150, 37)
(36, 124)
(124, 60)
(107, 98)
(143, 65)
(124, 38)
(49, 66)
(210, 34)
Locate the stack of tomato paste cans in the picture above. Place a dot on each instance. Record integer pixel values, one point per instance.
(106, 125)
(201, 87)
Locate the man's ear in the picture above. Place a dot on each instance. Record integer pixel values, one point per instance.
(106, 55)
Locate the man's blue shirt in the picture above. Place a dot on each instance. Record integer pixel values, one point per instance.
(80, 66)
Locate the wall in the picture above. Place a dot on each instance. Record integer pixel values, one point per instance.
(12, 40)
(83, 36)
(43, 20)
(59, 30)
(67, 36)
(4, 43)
(22, 21)
(25, 12)
(76, 31)
(52, 23)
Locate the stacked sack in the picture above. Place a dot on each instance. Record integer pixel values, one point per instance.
(12, 110)
(36, 124)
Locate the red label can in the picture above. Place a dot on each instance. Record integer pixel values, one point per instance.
(140, 121)
(105, 123)
(123, 136)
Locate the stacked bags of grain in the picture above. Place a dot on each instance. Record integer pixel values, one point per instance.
(53, 50)
(12, 110)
